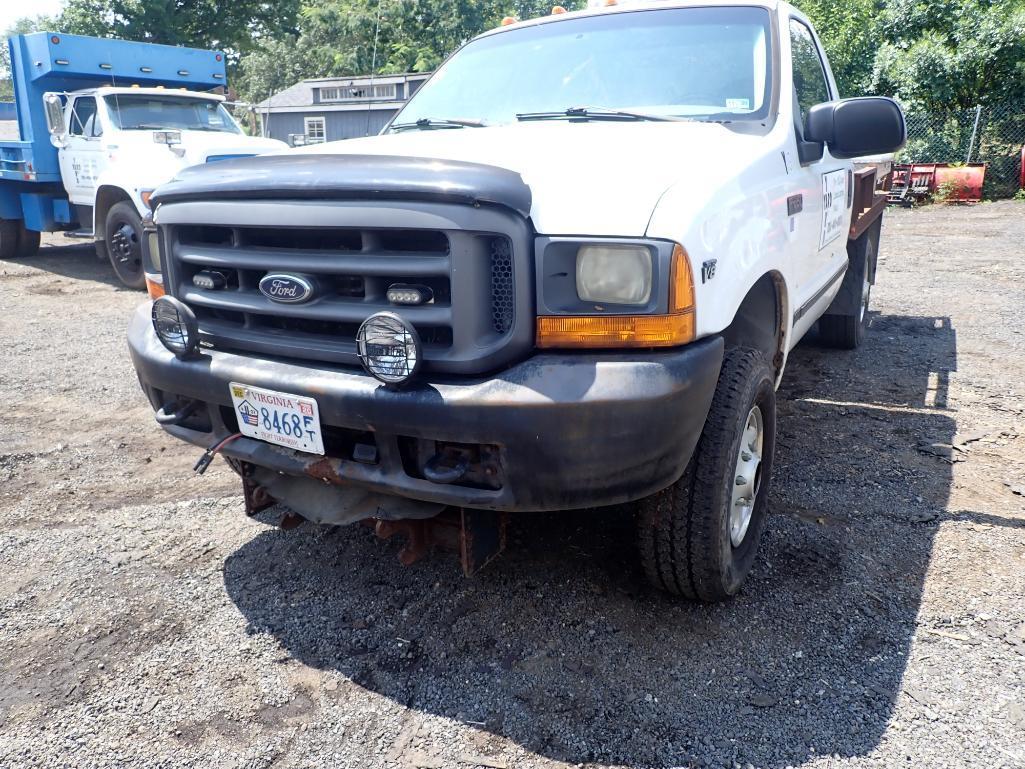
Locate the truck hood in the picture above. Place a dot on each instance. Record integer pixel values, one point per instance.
(201, 146)
(198, 146)
(593, 178)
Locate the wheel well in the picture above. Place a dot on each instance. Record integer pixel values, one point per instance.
(760, 320)
(106, 197)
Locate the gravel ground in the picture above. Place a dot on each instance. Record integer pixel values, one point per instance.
(145, 621)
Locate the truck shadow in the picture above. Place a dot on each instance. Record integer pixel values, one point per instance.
(562, 649)
(75, 259)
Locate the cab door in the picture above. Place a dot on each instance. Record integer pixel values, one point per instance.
(83, 156)
(820, 189)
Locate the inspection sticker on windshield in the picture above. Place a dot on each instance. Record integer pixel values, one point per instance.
(282, 418)
(738, 104)
(834, 206)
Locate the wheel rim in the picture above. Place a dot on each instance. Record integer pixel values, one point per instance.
(747, 476)
(124, 245)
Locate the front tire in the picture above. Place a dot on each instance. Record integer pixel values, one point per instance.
(698, 537)
(123, 239)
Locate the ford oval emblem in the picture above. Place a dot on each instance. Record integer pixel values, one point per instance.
(290, 289)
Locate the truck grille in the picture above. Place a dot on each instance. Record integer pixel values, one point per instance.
(480, 316)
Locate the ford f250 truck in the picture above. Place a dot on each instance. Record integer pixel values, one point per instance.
(567, 275)
(99, 129)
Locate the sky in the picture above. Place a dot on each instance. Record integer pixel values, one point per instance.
(12, 10)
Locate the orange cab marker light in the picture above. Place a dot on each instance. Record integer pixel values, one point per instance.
(611, 331)
(506, 21)
(609, 3)
(153, 288)
(557, 9)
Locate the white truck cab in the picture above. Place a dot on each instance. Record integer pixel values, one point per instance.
(120, 143)
(567, 275)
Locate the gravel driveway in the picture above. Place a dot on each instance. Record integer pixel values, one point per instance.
(145, 621)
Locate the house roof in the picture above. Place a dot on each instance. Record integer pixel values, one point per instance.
(301, 94)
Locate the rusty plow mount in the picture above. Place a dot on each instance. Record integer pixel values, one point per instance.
(479, 536)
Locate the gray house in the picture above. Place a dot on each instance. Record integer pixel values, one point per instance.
(326, 109)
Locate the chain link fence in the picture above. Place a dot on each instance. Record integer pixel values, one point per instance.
(993, 135)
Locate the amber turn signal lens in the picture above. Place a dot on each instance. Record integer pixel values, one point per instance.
(615, 331)
(154, 289)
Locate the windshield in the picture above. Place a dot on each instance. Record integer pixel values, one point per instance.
(142, 111)
(710, 63)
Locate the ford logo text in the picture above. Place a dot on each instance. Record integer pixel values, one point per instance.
(290, 289)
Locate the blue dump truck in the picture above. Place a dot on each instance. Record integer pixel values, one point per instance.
(101, 123)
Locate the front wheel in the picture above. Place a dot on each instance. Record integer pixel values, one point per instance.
(698, 537)
(123, 239)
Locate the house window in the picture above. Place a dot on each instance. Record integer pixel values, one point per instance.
(383, 91)
(315, 130)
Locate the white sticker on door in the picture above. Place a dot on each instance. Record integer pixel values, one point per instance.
(834, 206)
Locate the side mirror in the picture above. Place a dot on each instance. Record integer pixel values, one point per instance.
(867, 125)
(54, 107)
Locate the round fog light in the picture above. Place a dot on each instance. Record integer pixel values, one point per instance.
(175, 326)
(389, 348)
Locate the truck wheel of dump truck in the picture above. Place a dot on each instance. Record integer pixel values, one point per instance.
(28, 241)
(698, 537)
(123, 238)
(9, 238)
(847, 331)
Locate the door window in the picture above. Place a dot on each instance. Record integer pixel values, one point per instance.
(83, 118)
(810, 85)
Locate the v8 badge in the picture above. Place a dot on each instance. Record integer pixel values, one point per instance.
(707, 270)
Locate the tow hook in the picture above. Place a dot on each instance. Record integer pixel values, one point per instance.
(177, 412)
(446, 467)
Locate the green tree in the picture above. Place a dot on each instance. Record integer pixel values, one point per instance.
(357, 37)
(849, 31)
(952, 55)
(22, 26)
(236, 26)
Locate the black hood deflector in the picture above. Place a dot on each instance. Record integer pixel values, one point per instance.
(348, 177)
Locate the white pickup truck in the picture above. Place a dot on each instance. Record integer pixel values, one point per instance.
(116, 145)
(567, 275)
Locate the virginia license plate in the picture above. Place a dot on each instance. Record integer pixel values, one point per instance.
(281, 418)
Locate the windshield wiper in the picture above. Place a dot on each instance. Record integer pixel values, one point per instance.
(428, 123)
(597, 113)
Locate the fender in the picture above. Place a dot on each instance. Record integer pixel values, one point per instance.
(734, 235)
(121, 181)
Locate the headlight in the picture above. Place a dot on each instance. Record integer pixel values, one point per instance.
(611, 274)
(614, 295)
(175, 326)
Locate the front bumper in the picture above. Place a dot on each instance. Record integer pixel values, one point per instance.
(563, 431)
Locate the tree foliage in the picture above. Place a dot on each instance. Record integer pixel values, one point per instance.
(22, 26)
(357, 37)
(932, 54)
(236, 26)
(953, 54)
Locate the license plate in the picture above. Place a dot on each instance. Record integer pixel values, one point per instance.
(281, 418)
